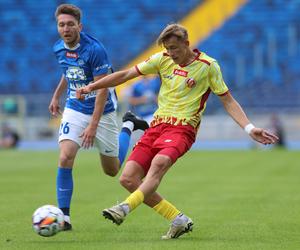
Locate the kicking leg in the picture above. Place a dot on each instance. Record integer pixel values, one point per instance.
(132, 178)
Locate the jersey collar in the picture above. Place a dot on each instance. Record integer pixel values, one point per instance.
(196, 58)
(73, 48)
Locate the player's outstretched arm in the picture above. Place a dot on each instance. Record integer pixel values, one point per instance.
(111, 80)
(236, 112)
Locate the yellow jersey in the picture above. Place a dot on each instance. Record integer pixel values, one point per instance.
(184, 88)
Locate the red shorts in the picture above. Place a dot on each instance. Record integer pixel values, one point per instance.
(166, 139)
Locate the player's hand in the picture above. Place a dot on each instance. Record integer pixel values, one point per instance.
(88, 136)
(82, 91)
(54, 107)
(263, 136)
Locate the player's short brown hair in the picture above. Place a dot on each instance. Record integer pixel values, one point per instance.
(170, 30)
(68, 9)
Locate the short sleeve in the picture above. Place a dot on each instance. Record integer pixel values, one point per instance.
(150, 66)
(99, 61)
(216, 82)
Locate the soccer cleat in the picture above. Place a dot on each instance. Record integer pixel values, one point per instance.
(116, 214)
(67, 223)
(67, 226)
(138, 122)
(178, 228)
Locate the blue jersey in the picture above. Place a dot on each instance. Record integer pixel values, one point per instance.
(149, 88)
(80, 65)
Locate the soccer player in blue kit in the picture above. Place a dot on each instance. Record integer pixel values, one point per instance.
(143, 97)
(93, 120)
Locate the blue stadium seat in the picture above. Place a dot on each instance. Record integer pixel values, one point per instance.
(30, 32)
(258, 36)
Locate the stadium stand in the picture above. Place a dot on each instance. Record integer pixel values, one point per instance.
(265, 33)
(30, 32)
(258, 50)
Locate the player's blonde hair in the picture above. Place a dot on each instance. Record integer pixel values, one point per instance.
(68, 9)
(170, 30)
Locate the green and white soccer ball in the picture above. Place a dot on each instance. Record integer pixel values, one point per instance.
(47, 220)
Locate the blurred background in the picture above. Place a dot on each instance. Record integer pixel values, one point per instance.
(256, 42)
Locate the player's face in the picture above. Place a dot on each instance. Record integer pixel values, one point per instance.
(69, 29)
(177, 49)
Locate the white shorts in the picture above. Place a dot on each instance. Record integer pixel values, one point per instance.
(73, 124)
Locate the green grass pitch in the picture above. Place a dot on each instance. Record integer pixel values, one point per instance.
(237, 200)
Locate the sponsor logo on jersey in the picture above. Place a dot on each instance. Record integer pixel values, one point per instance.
(75, 74)
(71, 54)
(102, 66)
(180, 72)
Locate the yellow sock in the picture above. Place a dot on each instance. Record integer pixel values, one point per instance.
(135, 199)
(166, 209)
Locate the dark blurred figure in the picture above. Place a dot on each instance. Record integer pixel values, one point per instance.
(9, 137)
(277, 128)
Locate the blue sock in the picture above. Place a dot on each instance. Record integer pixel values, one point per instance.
(64, 189)
(124, 139)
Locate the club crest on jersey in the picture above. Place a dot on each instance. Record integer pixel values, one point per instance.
(180, 72)
(190, 82)
(71, 54)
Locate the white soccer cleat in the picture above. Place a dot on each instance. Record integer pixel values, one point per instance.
(179, 227)
(116, 214)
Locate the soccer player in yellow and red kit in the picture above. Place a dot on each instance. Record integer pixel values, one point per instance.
(188, 76)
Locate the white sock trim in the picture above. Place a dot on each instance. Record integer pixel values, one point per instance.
(129, 125)
(67, 218)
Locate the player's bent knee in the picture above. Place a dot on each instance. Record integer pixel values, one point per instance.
(128, 183)
(66, 160)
